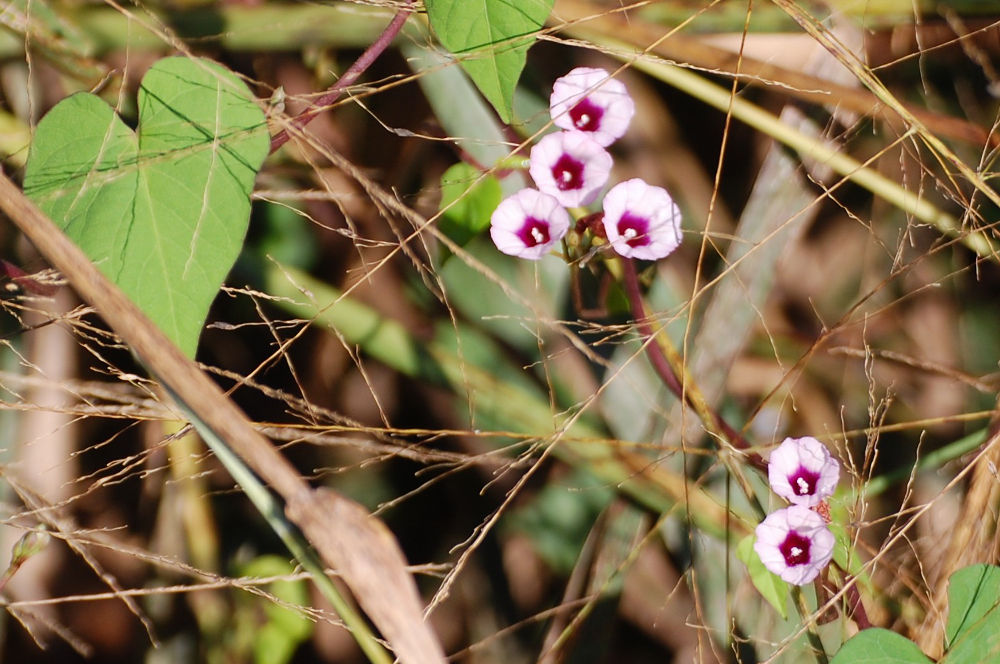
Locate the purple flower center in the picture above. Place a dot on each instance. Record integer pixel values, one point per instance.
(568, 173)
(634, 230)
(803, 482)
(534, 232)
(586, 115)
(795, 549)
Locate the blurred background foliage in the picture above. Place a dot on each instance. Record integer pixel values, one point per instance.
(556, 500)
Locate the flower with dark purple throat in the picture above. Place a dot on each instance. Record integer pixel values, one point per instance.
(528, 223)
(794, 543)
(641, 221)
(802, 471)
(570, 166)
(588, 100)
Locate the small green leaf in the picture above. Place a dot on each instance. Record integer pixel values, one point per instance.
(973, 629)
(559, 518)
(276, 640)
(767, 583)
(843, 550)
(467, 201)
(492, 37)
(162, 212)
(879, 646)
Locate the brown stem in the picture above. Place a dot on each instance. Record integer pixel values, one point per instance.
(342, 531)
(352, 74)
(666, 373)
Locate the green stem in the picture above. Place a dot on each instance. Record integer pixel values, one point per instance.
(817, 644)
(234, 27)
(272, 511)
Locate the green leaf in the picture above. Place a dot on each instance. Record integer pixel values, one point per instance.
(493, 37)
(879, 646)
(559, 518)
(491, 306)
(162, 212)
(843, 550)
(767, 583)
(972, 632)
(467, 201)
(462, 111)
(285, 628)
(973, 629)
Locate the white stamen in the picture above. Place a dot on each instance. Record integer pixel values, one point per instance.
(630, 233)
(802, 485)
(537, 235)
(583, 120)
(796, 552)
(566, 176)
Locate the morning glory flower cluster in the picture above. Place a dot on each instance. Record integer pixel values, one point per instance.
(795, 542)
(571, 167)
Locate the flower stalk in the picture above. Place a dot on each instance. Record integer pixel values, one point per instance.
(668, 364)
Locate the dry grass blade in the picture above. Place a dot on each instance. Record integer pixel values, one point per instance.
(367, 556)
(184, 379)
(942, 152)
(973, 540)
(779, 208)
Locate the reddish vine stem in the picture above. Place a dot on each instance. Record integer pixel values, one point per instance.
(352, 74)
(662, 366)
(666, 373)
(856, 608)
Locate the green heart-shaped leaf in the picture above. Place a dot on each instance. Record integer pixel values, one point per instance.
(162, 212)
(973, 629)
(879, 646)
(494, 37)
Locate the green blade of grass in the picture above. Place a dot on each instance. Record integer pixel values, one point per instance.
(270, 27)
(524, 411)
(767, 123)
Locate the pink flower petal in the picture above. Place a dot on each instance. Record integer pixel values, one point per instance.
(641, 221)
(802, 471)
(587, 100)
(570, 166)
(795, 544)
(528, 223)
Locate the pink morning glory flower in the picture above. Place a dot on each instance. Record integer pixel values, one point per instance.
(794, 543)
(570, 166)
(802, 471)
(528, 223)
(587, 100)
(641, 221)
